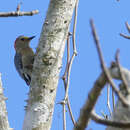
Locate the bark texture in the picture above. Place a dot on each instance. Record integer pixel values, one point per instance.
(47, 65)
(4, 124)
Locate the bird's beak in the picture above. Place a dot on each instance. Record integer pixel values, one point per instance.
(30, 38)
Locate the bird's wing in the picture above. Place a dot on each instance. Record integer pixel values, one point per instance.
(19, 68)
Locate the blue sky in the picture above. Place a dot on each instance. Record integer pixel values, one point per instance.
(109, 18)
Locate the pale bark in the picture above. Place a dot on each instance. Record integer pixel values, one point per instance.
(4, 124)
(47, 65)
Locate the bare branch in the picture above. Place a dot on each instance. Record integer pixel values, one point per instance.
(64, 114)
(74, 27)
(68, 57)
(65, 76)
(108, 99)
(102, 121)
(121, 74)
(18, 13)
(127, 26)
(125, 36)
(74, 51)
(64, 117)
(18, 6)
(69, 107)
(113, 99)
(93, 95)
(70, 111)
(63, 103)
(118, 93)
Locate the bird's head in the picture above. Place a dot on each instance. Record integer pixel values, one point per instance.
(22, 42)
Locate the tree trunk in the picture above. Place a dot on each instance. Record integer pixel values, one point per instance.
(47, 65)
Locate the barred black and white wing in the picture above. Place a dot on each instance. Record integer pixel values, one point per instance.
(19, 68)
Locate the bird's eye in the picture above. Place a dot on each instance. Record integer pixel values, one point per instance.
(22, 39)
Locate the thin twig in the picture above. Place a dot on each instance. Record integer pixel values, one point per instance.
(98, 119)
(127, 26)
(70, 111)
(18, 13)
(65, 76)
(125, 36)
(74, 27)
(64, 113)
(120, 71)
(108, 99)
(69, 107)
(74, 51)
(18, 6)
(64, 116)
(68, 57)
(118, 93)
(113, 99)
(68, 76)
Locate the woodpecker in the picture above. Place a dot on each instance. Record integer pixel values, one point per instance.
(24, 57)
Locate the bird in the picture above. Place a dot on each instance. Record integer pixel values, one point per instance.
(24, 57)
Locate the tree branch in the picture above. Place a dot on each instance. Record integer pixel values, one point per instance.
(74, 51)
(118, 93)
(64, 77)
(18, 13)
(102, 121)
(108, 99)
(85, 112)
(93, 95)
(122, 76)
(128, 28)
